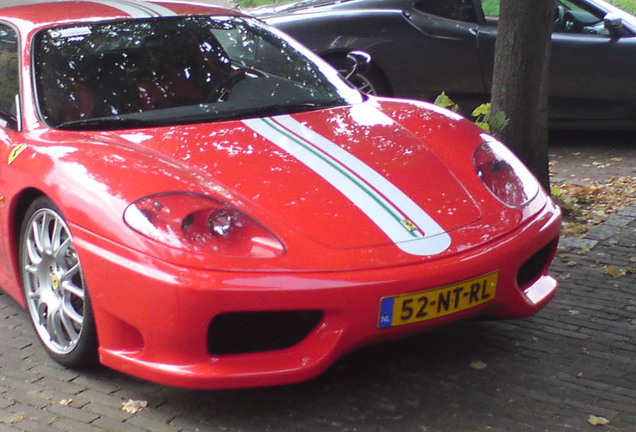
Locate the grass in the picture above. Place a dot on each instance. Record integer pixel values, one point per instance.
(491, 7)
(626, 5)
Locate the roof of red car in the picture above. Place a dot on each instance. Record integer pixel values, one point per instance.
(42, 13)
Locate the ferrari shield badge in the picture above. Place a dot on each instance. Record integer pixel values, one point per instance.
(15, 152)
(409, 225)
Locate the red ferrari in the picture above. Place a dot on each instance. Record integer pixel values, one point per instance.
(191, 197)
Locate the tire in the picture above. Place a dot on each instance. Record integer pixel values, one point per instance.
(371, 82)
(54, 287)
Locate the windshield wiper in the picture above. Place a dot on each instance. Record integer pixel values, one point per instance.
(108, 123)
(286, 108)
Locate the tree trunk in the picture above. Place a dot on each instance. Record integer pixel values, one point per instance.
(520, 80)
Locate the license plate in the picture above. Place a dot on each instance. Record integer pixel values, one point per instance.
(425, 305)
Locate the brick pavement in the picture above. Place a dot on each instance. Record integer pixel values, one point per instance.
(574, 359)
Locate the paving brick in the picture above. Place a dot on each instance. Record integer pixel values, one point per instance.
(111, 424)
(69, 424)
(106, 411)
(70, 412)
(146, 420)
(29, 425)
(90, 395)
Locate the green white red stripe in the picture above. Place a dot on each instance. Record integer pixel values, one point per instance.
(136, 9)
(392, 211)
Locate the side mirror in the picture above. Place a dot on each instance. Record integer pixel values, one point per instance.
(613, 24)
(360, 63)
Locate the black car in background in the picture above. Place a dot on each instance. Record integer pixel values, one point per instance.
(420, 48)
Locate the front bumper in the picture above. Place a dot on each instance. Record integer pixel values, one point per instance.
(153, 318)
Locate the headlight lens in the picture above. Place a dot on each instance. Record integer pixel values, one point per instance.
(197, 223)
(504, 175)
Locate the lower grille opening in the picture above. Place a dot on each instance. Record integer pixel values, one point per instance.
(245, 332)
(536, 265)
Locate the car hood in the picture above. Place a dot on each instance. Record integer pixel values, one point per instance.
(346, 177)
(305, 6)
(264, 11)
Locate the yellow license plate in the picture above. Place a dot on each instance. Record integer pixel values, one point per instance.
(438, 302)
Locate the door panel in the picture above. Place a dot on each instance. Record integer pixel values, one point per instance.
(444, 50)
(591, 75)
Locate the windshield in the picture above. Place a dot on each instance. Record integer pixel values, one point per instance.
(164, 71)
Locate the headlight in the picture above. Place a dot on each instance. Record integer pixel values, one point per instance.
(504, 175)
(197, 223)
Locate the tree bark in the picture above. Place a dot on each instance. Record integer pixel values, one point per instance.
(520, 80)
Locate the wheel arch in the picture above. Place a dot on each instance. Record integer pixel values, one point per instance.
(341, 55)
(17, 213)
(21, 204)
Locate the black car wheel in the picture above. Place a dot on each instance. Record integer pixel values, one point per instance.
(370, 82)
(54, 287)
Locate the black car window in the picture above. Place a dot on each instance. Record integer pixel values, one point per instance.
(570, 16)
(141, 73)
(9, 82)
(458, 10)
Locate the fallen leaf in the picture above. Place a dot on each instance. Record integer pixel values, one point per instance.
(572, 264)
(133, 406)
(66, 402)
(479, 365)
(616, 272)
(18, 418)
(586, 206)
(574, 312)
(597, 421)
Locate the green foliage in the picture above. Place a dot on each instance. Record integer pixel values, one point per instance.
(490, 122)
(491, 7)
(626, 5)
(445, 102)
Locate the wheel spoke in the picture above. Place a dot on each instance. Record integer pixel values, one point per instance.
(33, 252)
(70, 273)
(31, 268)
(51, 318)
(42, 312)
(36, 231)
(44, 237)
(55, 236)
(68, 311)
(35, 295)
(60, 251)
(72, 289)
